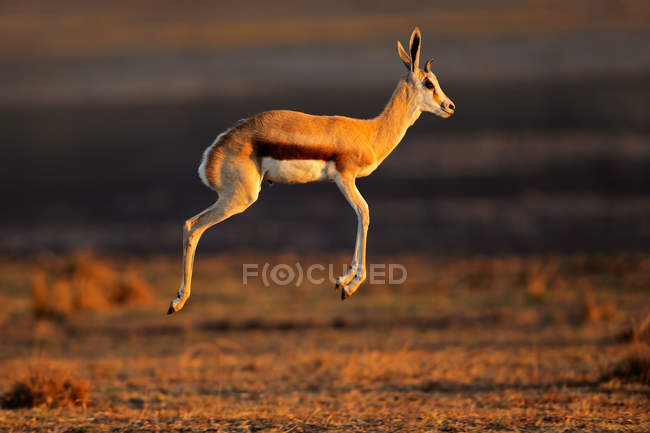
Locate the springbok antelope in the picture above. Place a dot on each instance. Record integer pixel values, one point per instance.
(291, 147)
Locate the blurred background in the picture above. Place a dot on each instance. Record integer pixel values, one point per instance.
(106, 107)
(523, 220)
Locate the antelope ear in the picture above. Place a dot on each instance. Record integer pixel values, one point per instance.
(427, 66)
(402, 55)
(414, 48)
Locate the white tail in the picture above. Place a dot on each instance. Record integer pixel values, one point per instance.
(290, 147)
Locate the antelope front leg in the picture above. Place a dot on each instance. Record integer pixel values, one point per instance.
(350, 282)
(344, 280)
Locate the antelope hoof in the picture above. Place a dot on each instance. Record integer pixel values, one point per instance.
(342, 281)
(175, 305)
(344, 293)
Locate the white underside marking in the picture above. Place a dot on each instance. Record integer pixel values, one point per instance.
(204, 159)
(297, 170)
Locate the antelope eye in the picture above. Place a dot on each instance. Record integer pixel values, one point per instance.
(428, 84)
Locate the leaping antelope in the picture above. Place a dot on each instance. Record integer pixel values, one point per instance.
(291, 147)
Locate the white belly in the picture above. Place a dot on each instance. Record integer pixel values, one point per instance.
(296, 170)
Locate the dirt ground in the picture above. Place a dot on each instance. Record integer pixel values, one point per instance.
(472, 344)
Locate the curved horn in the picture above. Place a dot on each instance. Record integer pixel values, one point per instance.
(427, 67)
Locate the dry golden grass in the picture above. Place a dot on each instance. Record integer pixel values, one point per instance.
(590, 309)
(83, 282)
(463, 345)
(642, 332)
(130, 289)
(46, 385)
(634, 366)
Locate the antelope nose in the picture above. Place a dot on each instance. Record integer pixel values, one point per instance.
(451, 106)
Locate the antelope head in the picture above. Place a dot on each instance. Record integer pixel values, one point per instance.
(423, 84)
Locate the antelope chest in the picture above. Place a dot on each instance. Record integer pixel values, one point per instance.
(297, 170)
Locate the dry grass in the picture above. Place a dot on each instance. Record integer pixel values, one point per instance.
(634, 366)
(83, 282)
(46, 385)
(590, 309)
(463, 345)
(129, 289)
(642, 332)
(540, 277)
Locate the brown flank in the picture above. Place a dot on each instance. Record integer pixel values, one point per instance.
(285, 151)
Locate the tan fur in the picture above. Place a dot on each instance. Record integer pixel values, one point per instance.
(292, 147)
(353, 144)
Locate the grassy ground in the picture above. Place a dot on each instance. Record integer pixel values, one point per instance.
(507, 344)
